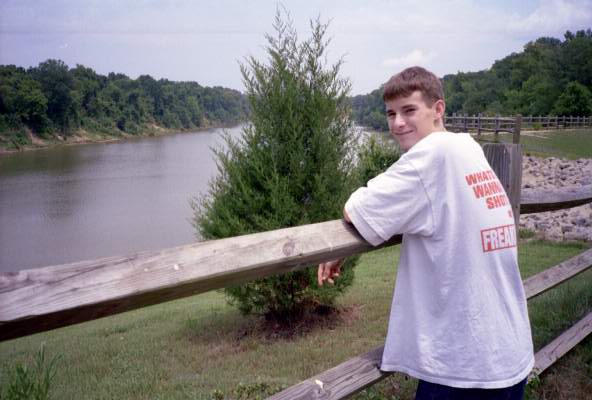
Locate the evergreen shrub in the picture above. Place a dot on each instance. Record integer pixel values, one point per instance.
(375, 155)
(292, 166)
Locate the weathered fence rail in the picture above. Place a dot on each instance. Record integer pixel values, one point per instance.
(41, 299)
(534, 201)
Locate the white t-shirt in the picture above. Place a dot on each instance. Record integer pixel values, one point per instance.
(459, 316)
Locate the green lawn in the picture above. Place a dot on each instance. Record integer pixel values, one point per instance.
(571, 144)
(201, 348)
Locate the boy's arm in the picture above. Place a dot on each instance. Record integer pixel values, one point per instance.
(331, 269)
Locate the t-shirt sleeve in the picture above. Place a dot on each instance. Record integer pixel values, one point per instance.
(394, 202)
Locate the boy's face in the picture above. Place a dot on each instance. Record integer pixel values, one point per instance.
(410, 119)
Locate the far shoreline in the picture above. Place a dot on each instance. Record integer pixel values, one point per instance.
(85, 137)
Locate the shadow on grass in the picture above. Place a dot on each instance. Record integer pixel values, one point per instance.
(232, 326)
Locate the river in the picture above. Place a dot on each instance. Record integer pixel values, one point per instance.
(74, 203)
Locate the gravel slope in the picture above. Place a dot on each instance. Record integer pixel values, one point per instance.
(570, 224)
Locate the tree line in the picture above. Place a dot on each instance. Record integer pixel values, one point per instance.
(55, 99)
(549, 77)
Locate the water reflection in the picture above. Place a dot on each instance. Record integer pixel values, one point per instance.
(87, 201)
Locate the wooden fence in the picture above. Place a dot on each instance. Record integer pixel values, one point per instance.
(479, 123)
(41, 299)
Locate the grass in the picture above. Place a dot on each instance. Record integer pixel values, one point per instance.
(32, 382)
(554, 312)
(201, 348)
(570, 144)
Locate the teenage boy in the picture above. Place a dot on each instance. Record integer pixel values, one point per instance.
(459, 321)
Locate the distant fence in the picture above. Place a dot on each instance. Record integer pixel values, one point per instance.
(41, 299)
(479, 123)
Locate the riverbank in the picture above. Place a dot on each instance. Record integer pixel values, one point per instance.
(83, 136)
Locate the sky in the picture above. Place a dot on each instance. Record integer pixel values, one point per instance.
(205, 41)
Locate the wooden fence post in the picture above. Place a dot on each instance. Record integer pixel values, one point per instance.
(478, 125)
(506, 162)
(497, 125)
(517, 128)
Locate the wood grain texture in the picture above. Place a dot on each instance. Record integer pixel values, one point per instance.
(562, 344)
(538, 200)
(517, 128)
(339, 382)
(552, 277)
(45, 298)
(40, 299)
(506, 161)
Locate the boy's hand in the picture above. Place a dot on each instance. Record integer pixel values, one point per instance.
(329, 270)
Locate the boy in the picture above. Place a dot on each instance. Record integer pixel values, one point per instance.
(459, 321)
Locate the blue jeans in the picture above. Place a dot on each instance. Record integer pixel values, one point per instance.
(433, 391)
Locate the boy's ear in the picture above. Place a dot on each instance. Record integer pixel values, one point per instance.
(440, 107)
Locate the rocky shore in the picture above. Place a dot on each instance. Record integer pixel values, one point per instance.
(554, 173)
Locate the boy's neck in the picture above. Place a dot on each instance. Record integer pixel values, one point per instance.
(439, 126)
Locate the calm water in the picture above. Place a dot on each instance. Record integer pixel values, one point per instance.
(82, 202)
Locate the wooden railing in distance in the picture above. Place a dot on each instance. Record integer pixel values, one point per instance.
(360, 372)
(513, 124)
(41, 299)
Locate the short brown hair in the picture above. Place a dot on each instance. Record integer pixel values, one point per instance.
(411, 79)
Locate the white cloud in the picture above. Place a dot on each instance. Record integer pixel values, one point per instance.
(202, 40)
(415, 57)
(553, 16)
(466, 17)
